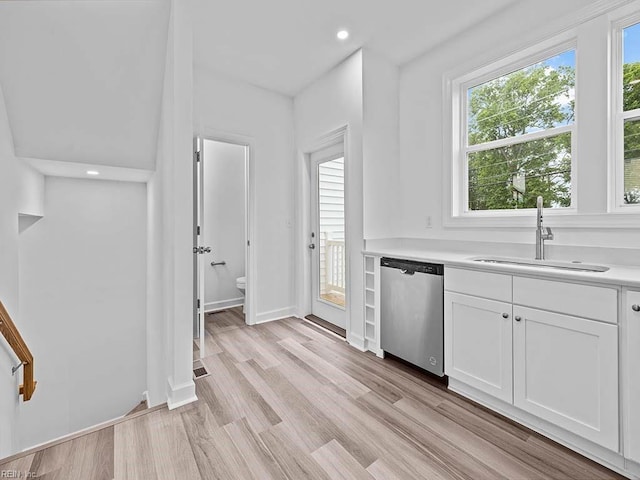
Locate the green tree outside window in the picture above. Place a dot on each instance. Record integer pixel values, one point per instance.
(631, 101)
(536, 98)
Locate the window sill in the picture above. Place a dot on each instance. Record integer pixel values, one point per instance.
(560, 220)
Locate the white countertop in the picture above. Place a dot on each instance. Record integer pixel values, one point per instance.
(616, 275)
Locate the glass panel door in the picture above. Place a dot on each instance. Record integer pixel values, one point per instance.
(328, 247)
(331, 232)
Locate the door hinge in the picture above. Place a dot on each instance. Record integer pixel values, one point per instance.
(198, 229)
(198, 303)
(197, 156)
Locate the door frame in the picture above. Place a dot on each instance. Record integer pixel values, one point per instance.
(339, 135)
(249, 181)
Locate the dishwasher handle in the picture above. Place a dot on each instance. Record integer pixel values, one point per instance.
(407, 272)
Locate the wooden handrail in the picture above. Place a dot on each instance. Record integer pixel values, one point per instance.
(14, 339)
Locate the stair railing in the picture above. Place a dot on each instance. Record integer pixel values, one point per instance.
(11, 334)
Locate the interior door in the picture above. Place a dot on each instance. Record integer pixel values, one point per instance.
(196, 215)
(327, 240)
(198, 249)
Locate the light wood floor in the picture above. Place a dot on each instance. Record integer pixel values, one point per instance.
(286, 400)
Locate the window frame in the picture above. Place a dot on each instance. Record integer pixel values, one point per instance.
(458, 103)
(618, 116)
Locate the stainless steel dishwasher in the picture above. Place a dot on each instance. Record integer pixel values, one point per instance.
(411, 312)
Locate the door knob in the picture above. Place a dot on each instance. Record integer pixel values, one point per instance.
(312, 246)
(518, 318)
(635, 308)
(505, 315)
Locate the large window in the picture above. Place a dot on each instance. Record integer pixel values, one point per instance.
(558, 119)
(630, 115)
(516, 142)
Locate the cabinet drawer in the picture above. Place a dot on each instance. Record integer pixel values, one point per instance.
(479, 284)
(598, 303)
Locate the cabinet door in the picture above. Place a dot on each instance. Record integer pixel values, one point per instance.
(632, 376)
(566, 372)
(478, 343)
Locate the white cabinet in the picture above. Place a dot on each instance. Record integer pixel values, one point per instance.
(548, 348)
(478, 345)
(495, 286)
(566, 372)
(586, 301)
(632, 376)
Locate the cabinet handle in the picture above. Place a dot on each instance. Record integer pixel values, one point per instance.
(505, 315)
(635, 308)
(518, 318)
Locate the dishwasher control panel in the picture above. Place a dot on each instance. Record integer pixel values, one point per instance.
(411, 266)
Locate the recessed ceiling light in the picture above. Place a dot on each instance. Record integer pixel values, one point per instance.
(93, 172)
(342, 35)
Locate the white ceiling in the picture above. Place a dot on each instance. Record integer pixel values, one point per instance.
(83, 80)
(284, 45)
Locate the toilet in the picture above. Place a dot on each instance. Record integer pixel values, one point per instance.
(241, 284)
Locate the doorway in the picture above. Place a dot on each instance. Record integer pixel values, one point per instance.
(221, 231)
(327, 237)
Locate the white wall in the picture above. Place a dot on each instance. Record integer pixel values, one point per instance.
(381, 147)
(99, 101)
(21, 191)
(156, 309)
(82, 304)
(421, 128)
(180, 196)
(8, 278)
(159, 302)
(170, 227)
(227, 109)
(224, 223)
(31, 197)
(332, 101)
(169, 295)
(31, 192)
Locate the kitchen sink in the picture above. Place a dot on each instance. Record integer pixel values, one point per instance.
(524, 262)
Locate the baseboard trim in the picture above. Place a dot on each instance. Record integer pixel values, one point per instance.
(180, 395)
(356, 341)
(80, 433)
(372, 346)
(223, 304)
(608, 458)
(276, 315)
(632, 467)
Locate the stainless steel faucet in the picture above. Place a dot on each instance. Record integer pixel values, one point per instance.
(542, 233)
